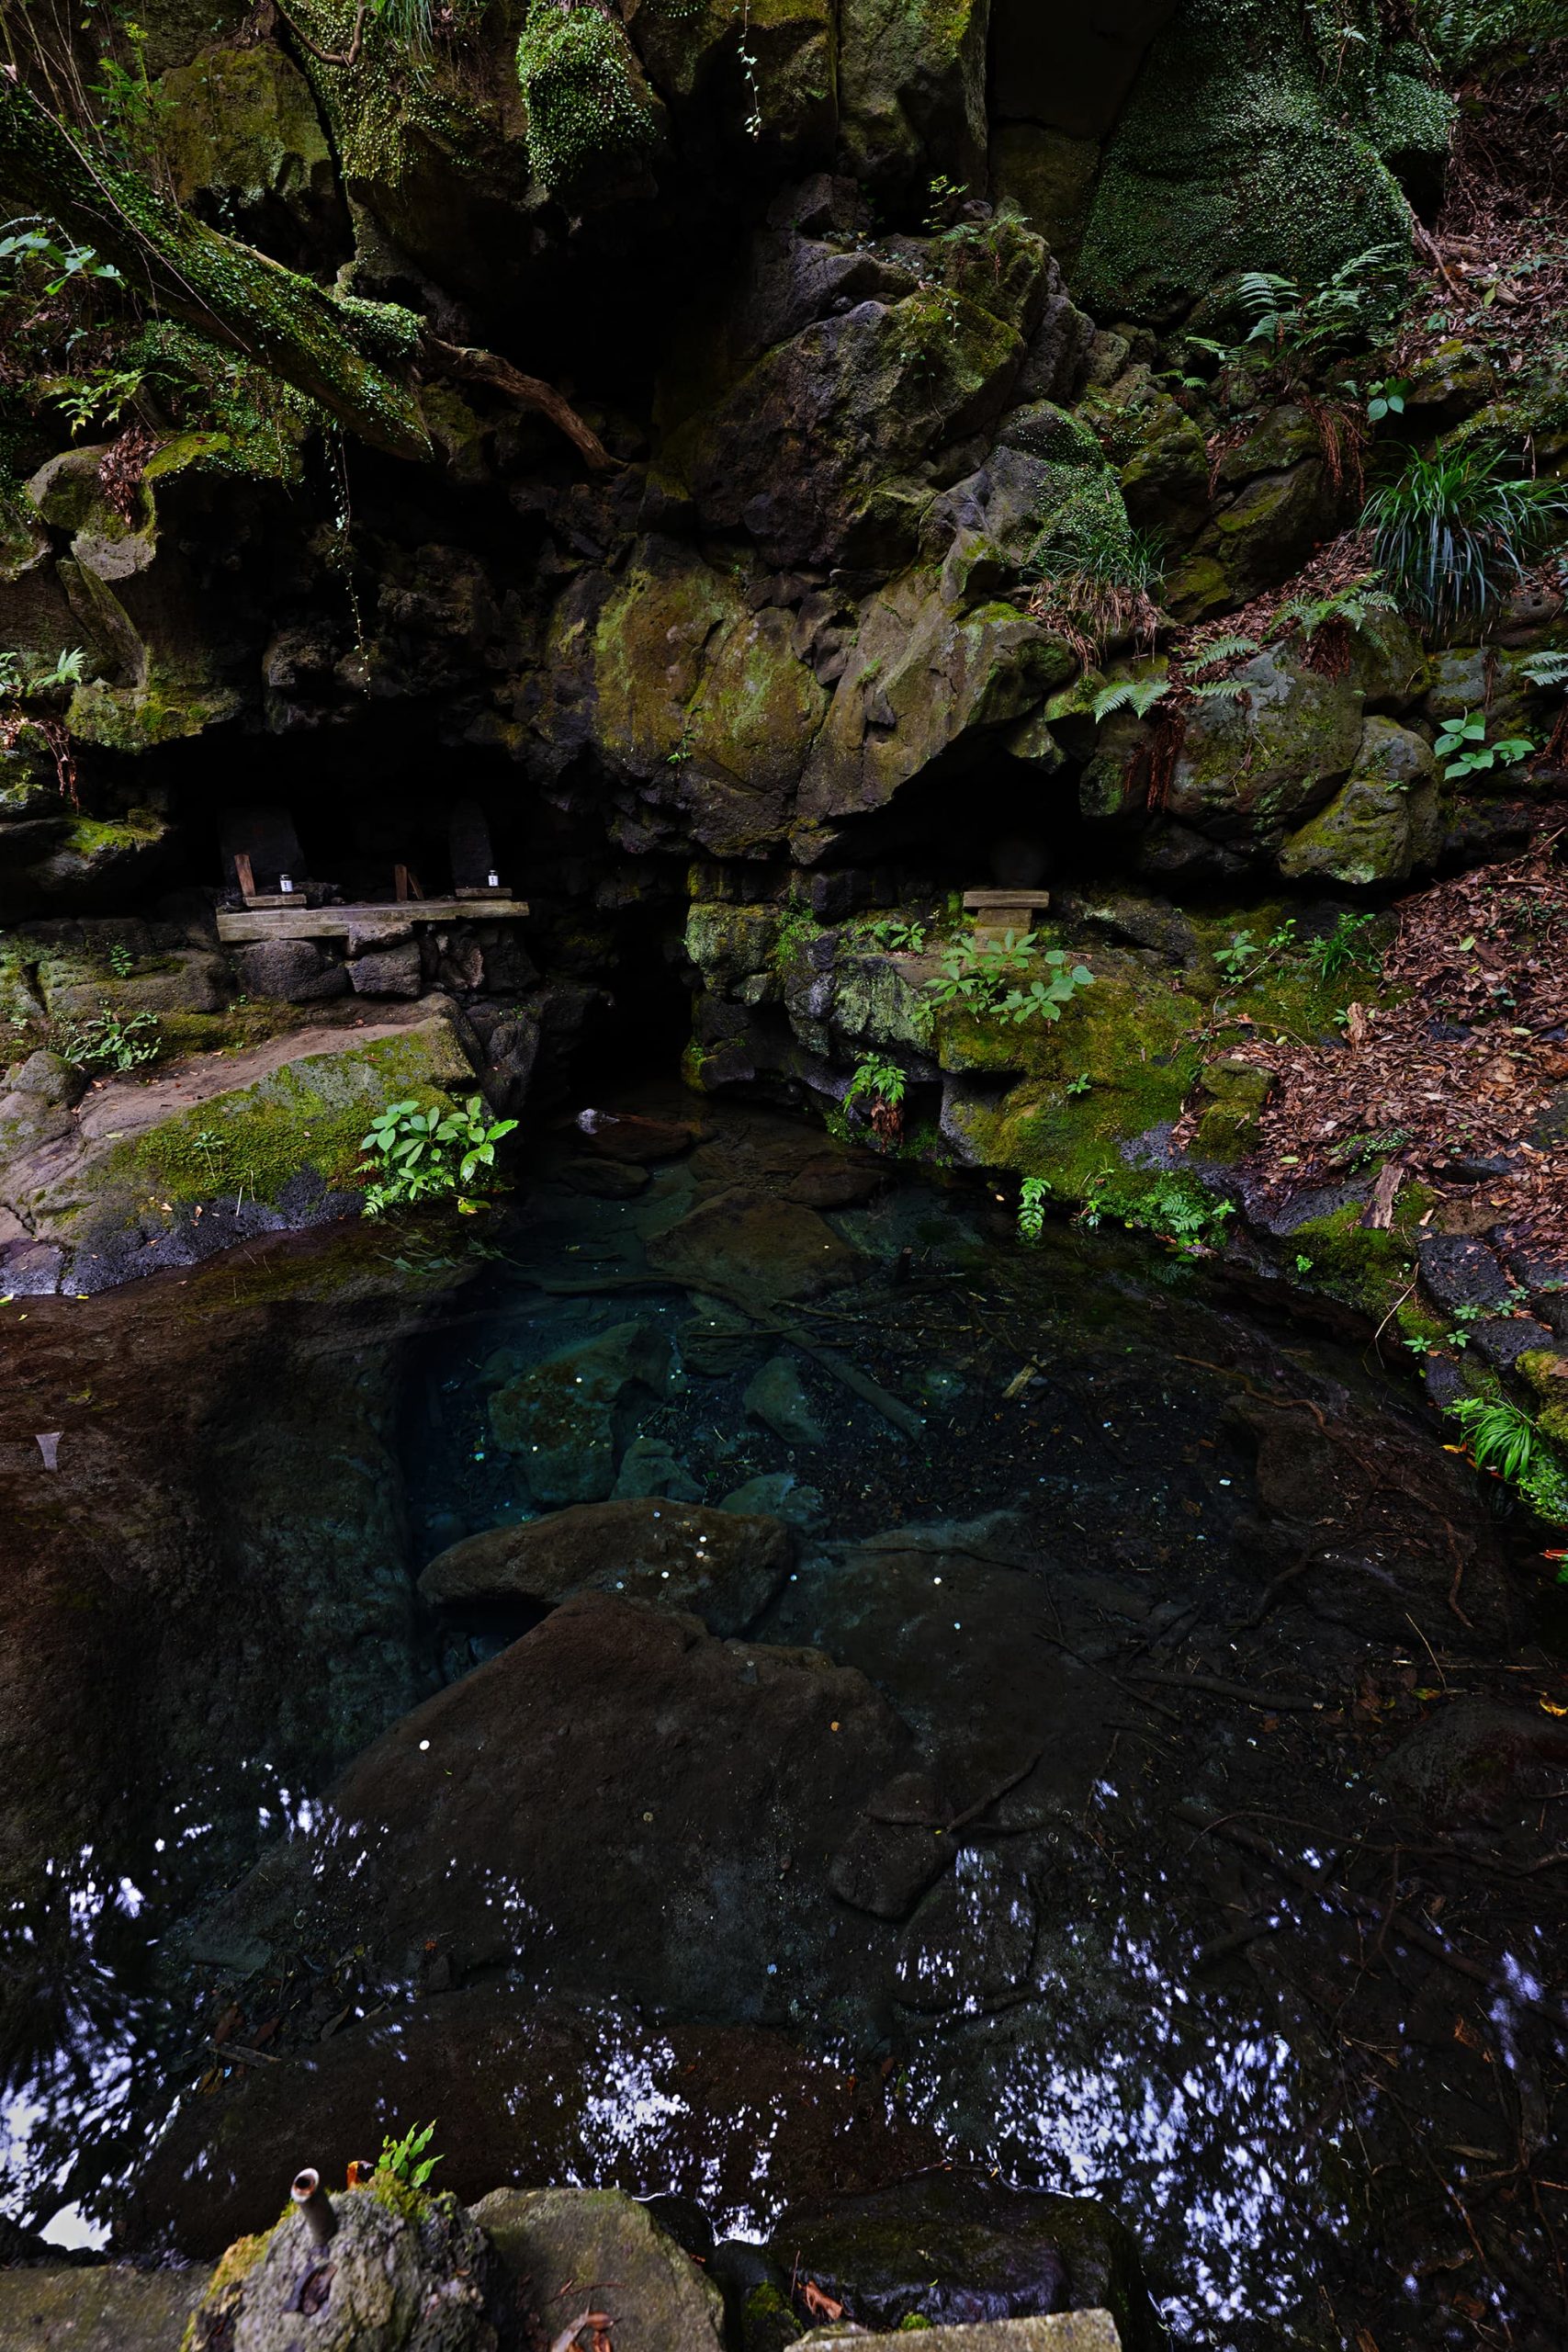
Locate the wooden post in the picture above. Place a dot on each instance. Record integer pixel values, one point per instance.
(244, 874)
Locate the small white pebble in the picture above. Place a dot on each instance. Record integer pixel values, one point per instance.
(424, 1744)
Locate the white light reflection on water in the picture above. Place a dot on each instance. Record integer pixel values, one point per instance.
(1123, 2078)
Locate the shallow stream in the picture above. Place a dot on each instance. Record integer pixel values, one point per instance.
(1172, 1827)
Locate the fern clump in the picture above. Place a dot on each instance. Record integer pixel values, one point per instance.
(578, 77)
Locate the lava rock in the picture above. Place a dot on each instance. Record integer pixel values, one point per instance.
(723, 1568)
(1476, 1760)
(605, 1180)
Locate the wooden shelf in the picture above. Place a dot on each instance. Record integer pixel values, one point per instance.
(363, 923)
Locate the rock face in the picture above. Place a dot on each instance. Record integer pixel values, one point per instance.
(569, 2248)
(398, 2274)
(721, 1567)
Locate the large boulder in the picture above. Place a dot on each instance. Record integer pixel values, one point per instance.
(1383, 820)
(687, 1870)
(957, 2249)
(1238, 150)
(762, 1247)
(105, 2308)
(569, 2246)
(1248, 768)
(722, 1567)
(161, 1170)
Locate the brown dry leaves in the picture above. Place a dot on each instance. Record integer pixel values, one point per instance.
(1460, 1070)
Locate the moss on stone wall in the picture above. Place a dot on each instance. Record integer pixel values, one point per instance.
(1238, 149)
(588, 110)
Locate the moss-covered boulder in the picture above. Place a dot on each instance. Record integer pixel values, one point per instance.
(814, 449)
(693, 691)
(558, 2241)
(1251, 766)
(401, 2272)
(926, 689)
(104, 2307)
(163, 1170)
(1241, 148)
(912, 91)
(765, 90)
(1383, 820)
(240, 131)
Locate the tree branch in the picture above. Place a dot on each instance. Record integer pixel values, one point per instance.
(472, 367)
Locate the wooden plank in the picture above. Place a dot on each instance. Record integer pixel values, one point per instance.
(999, 901)
(337, 922)
(244, 874)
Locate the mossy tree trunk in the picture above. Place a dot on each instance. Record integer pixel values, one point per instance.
(269, 313)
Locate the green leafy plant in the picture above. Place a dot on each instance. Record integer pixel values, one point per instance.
(1081, 1084)
(1546, 669)
(878, 1085)
(1347, 947)
(421, 1155)
(1032, 1195)
(1463, 748)
(1503, 1437)
(122, 963)
(899, 938)
(1455, 532)
(1350, 608)
(101, 396)
(1136, 694)
(111, 1041)
(1386, 398)
(59, 259)
(20, 683)
(405, 2161)
(994, 976)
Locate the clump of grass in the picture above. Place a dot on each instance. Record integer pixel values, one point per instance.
(1456, 532)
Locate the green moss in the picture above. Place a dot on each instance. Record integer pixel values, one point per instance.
(587, 113)
(269, 313)
(310, 1114)
(1365, 1266)
(1236, 150)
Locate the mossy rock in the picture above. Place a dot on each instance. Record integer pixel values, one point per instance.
(1382, 823)
(241, 124)
(1249, 769)
(1236, 150)
(591, 116)
(912, 92)
(152, 1183)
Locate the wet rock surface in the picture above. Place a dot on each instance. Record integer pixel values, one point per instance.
(1143, 1550)
(720, 1566)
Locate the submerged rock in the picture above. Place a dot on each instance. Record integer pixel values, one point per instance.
(616, 1807)
(763, 1248)
(568, 1418)
(722, 1566)
(778, 1397)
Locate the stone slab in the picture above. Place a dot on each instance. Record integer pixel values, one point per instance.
(1068, 2331)
(362, 922)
